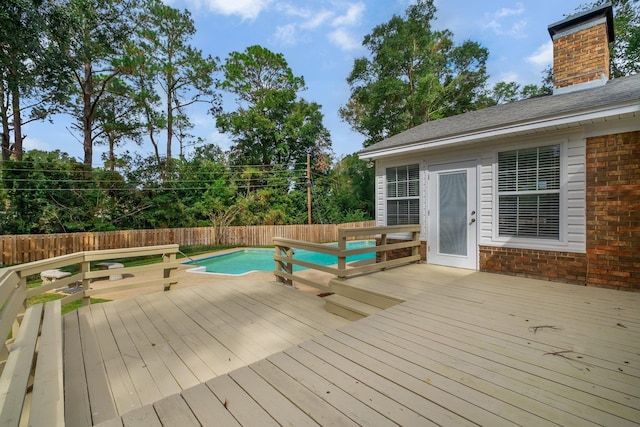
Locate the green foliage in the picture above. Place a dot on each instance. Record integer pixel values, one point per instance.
(624, 54)
(504, 92)
(46, 193)
(413, 74)
(184, 73)
(33, 65)
(625, 49)
(271, 126)
(49, 192)
(66, 308)
(345, 193)
(101, 33)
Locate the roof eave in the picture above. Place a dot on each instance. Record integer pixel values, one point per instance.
(532, 126)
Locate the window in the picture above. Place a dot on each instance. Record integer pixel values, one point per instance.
(529, 193)
(403, 195)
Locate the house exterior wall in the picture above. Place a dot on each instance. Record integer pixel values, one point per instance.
(600, 208)
(613, 210)
(569, 267)
(572, 194)
(590, 170)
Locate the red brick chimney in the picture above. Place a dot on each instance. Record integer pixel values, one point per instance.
(581, 49)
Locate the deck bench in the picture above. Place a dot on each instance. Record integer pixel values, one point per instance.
(31, 383)
(49, 276)
(110, 266)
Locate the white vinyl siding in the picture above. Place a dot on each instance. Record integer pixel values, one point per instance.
(403, 195)
(572, 193)
(529, 193)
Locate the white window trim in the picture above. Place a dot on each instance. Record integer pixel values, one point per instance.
(418, 197)
(526, 242)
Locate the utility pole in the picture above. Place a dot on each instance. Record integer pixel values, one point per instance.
(309, 188)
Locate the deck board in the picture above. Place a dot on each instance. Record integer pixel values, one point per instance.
(154, 346)
(462, 349)
(311, 403)
(75, 378)
(347, 404)
(101, 397)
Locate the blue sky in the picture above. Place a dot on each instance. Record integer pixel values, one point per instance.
(320, 39)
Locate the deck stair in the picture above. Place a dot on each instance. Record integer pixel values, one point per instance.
(348, 308)
(353, 302)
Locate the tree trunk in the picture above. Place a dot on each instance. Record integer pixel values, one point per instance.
(169, 125)
(87, 115)
(17, 125)
(112, 154)
(4, 114)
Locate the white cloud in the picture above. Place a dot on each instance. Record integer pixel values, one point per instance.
(30, 143)
(501, 21)
(285, 35)
(341, 35)
(246, 9)
(338, 21)
(504, 12)
(219, 139)
(543, 56)
(311, 18)
(508, 76)
(317, 19)
(352, 17)
(341, 38)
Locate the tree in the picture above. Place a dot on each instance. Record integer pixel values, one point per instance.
(117, 118)
(504, 92)
(271, 126)
(413, 74)
(625, 49)
(101, 43)
(344, 193)
(33, 66)
(624, 52)
(47, 193)
(183, 72)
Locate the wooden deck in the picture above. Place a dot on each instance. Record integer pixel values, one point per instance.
(465, 348)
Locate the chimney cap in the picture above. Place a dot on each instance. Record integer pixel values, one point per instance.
(606, 10)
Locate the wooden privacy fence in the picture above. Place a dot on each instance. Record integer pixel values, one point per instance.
(18, 249)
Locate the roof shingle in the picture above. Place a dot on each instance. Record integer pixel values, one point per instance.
(614, 93)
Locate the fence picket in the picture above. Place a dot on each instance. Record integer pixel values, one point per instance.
(18, 249)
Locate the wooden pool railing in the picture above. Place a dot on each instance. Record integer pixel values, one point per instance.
(285, 250)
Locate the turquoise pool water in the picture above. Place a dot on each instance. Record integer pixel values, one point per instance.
(247, 260)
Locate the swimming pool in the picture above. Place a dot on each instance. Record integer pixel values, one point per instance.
(245, 261)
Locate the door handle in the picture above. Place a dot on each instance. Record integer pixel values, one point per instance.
(473, 212)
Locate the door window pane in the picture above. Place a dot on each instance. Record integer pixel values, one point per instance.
(452, 219)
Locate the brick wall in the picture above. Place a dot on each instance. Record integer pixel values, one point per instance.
(613, 210)
(581, 57)
(399, 253)
(566, 267)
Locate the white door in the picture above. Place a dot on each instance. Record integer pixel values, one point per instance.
(452, 215)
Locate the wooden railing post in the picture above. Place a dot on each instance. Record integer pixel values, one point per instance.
(415, 250)
(16, 323)
(169, 272)
(289, 266)
(383, 242)
(342, 258)
(278, 268)
(85, 267)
